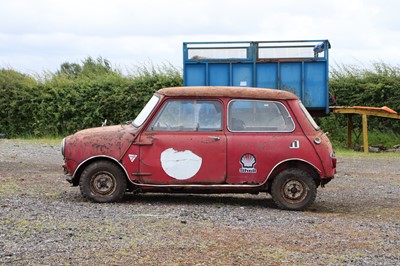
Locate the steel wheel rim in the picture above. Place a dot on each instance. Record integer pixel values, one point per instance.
(103, 183)
(294, 191)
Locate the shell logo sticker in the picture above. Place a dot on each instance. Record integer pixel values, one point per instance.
(248, 161)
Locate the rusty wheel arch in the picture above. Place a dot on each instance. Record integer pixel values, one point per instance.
(293, 163)
(81, 167)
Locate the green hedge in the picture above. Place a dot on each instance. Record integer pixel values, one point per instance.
(377, 86)
(83, 95)
(62, 104)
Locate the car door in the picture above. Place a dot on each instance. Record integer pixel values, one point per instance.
(184, 144)
(260, 135)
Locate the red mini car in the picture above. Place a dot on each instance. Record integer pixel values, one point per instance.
(206, 140)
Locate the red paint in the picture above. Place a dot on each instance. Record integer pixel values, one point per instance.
(231, 161)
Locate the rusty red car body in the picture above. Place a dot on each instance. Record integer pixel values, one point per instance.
(206, 140)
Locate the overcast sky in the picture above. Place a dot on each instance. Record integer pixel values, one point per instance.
(40, 35)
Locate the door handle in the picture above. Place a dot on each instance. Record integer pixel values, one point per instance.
(213, 137)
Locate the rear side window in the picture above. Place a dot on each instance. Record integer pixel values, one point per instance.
(259, 116)
(189, 115)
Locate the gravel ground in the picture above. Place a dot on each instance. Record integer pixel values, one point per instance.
(354, 221)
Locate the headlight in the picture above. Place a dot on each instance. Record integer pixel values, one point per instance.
(63, 143)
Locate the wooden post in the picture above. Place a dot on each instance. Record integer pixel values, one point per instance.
(365, 132)
(364, 112)
(349, 129)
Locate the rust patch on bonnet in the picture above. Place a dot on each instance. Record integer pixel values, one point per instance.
(111, 141)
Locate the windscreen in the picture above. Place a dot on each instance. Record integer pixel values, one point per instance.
(146, 111)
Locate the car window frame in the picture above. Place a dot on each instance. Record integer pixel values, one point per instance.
(259, 131)
(150, 126)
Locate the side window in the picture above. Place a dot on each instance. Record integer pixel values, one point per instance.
(188, 115)
(259, 116)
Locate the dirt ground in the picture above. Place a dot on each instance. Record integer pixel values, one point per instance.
(355, 220)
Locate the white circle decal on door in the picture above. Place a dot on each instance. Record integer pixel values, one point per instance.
(180, 165)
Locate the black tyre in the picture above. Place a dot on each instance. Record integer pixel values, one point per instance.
(293, 189)
(103, 181)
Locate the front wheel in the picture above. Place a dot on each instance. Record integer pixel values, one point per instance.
(293, 189)
(102, 181)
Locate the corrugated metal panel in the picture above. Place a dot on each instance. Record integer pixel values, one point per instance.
(300, 67)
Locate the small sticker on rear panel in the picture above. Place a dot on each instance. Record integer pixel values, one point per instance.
(295, 145)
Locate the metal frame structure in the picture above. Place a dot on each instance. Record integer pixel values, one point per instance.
(364, 112)
(298, 66)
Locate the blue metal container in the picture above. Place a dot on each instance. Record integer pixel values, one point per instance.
(301, 67)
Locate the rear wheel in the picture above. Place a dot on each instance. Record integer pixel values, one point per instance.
(103, 181)
(293, 189)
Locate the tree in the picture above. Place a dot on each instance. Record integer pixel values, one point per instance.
(96, 67)
(70, 70)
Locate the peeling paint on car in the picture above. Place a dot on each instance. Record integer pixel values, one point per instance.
(180, 165)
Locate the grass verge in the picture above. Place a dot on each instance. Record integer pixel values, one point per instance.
(348, 153)
(45, 140)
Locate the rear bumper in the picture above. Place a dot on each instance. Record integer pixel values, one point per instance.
(325, 181)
